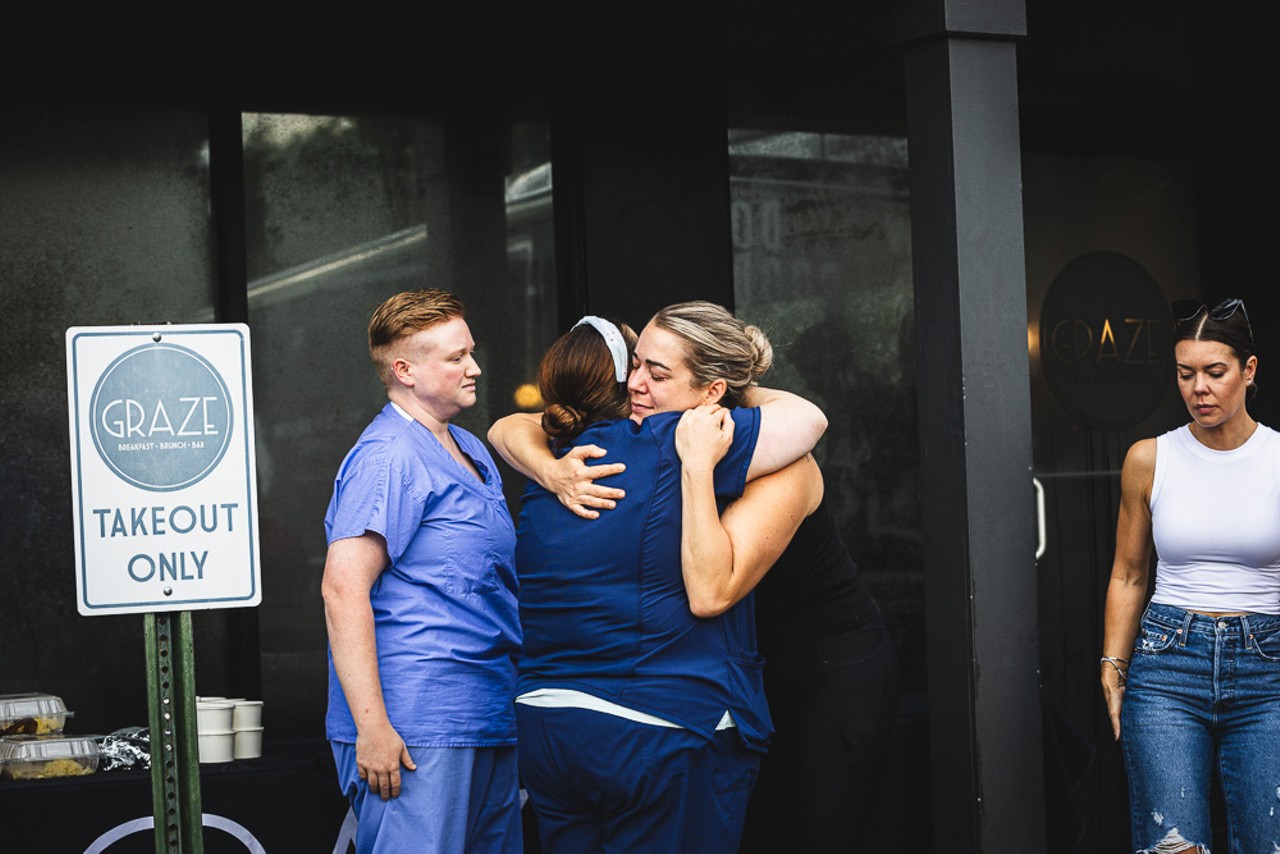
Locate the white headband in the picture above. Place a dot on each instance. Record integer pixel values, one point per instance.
(613, 338)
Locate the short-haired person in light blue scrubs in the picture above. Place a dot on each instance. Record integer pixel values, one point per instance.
(640, 704)
(420, 600)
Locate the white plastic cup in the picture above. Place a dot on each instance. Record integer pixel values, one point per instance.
(247, 715)
(213, 716)
(248, 743)
(216, 746)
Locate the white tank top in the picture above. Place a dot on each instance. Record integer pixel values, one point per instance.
(1215, 518)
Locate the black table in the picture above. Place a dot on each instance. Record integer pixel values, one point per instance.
(287, 800)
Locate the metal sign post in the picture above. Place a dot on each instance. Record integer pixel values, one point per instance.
(164, 500)
(175, 769)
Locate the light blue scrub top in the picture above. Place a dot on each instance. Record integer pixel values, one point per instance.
(445, 613)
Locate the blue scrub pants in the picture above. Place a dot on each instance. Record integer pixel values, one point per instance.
(459, 799)
(600, 783)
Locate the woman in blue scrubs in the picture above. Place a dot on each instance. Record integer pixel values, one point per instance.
(640, 704)
(419, 592)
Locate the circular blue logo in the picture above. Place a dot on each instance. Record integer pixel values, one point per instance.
(161, 417)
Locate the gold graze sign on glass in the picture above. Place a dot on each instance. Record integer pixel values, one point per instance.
(1106, 340)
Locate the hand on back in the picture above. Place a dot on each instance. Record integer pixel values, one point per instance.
(573, 481)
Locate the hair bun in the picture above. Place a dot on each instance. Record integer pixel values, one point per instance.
(762, 350)
(563, 422)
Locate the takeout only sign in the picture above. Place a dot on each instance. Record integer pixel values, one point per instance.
(162, 468)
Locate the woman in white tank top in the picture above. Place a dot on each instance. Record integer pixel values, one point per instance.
(1192, 678)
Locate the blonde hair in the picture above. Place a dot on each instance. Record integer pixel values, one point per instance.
(718, 346)
(403, 315)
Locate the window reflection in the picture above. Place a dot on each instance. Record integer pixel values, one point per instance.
(822, 262)
(341, 213)
(104, 220)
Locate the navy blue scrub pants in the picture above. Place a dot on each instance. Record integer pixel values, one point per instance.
(602, 783)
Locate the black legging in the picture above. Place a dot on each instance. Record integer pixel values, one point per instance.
(834, 703)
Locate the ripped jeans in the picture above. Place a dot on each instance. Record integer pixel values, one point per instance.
(1203, 690)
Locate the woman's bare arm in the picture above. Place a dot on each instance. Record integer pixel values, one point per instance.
(350, 570)
(518, 438)
(1127, 590)
(724, 558)
(790, 427)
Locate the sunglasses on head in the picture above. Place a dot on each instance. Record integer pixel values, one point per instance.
(1186, 309)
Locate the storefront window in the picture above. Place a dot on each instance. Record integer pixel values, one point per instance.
(104, 221)
(341, 213)
(822, 262)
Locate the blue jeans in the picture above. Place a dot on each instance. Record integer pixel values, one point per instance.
(1203, 690)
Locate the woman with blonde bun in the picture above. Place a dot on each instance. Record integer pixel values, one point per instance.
(640, 702)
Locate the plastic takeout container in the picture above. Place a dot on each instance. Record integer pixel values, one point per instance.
(37, 757)
(32, 714)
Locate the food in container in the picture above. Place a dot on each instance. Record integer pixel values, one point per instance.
(37, 757)
(32, 714)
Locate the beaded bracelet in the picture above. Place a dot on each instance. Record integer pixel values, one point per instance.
(1116, 662)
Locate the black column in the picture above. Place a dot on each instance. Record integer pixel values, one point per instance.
(640, 157)
(229, 637)
(975, 423)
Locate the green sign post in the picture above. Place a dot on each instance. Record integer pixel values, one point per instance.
(175, 769)
(164, 498)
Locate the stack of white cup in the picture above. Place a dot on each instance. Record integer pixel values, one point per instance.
(246, 722)
(228, 728)
(213, 728)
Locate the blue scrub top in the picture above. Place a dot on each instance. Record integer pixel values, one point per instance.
(603, 602)
(445, 612)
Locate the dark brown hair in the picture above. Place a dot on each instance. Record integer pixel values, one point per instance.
(1227, 323)
(578, 382)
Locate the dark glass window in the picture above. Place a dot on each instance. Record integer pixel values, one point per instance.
(822, 262)
(343, 212)
(104, 221)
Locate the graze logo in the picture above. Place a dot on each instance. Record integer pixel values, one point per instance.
(1106, 340)
(161, 417)
(1103, 345)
